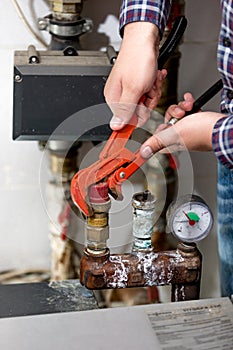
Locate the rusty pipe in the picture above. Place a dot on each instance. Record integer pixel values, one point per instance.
(180, 268)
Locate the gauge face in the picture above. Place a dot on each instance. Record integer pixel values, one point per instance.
(191, 221)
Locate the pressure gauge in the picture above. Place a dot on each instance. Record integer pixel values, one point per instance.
(189, 218)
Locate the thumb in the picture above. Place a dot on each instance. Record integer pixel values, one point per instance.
(167, 138)
(124, 109)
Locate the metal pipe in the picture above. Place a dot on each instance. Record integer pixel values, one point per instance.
(97, 229)
(178, 268)
(143, 220)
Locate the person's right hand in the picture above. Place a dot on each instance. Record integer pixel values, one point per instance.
(134, 75)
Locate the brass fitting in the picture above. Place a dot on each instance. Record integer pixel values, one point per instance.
(101, 207)
(66, 6)
(97, 229)
(63, 165)
(97, 237)
(66, 10)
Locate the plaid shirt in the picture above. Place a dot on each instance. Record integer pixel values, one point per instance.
(157, 12)
(223, 131)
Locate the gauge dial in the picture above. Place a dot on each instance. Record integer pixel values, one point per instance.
(190, 219)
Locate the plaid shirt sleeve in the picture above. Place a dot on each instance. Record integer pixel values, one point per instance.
(222, 141)
(156, 12)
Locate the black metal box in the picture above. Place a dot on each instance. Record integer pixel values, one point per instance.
(61, 97)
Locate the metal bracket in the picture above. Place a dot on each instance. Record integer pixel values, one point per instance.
(65, 28)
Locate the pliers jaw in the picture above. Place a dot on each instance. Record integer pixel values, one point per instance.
(116, 164)
(79, 193)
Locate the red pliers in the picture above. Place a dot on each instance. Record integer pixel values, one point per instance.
(116, 164)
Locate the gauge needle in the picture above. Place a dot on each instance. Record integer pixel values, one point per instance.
(192, 218)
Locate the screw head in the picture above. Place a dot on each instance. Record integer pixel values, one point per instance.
(122, 175)
(18, 78)
(42, 24)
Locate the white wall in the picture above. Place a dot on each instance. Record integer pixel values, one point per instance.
(23, 219)
(23, 236)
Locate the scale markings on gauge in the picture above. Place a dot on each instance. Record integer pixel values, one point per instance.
(189, 218)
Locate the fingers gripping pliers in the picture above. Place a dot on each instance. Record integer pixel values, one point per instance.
(117, 163)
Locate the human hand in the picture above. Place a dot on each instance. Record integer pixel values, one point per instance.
(178, 111)
(194, 133)
(134, 75)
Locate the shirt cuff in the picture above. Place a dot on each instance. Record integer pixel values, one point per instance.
(222, 141)
(156, 13)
